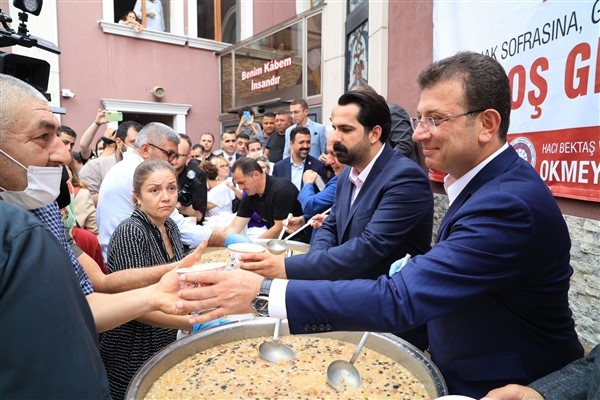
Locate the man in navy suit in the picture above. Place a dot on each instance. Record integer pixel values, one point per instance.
(383, 205)
(493, 290)
(292, 168)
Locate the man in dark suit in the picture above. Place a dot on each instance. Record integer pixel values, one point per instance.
(493, 290)
(401, 135)
(292, 168)
(383, 205)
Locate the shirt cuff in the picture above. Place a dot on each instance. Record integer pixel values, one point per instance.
(277, 308)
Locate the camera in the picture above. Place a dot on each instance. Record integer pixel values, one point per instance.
(184, 195)
(31, 70)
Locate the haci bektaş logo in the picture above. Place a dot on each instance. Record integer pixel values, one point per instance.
(525, 149)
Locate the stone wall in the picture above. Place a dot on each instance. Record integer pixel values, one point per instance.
(585, 283)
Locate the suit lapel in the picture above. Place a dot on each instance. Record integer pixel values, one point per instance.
(493, 169)
(369, 182)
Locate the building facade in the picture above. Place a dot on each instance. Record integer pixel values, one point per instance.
(216, 57)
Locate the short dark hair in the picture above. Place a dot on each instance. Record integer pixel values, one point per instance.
(196, 147)
(373, 109)
(124, 127)
(207, 133)
(247, 165)
(254, 140)
(302, 130)
(227, 132)
(65, 129)
(186, 138)
(242, 135)
(300, 102)
(270, 114)
(483, 78)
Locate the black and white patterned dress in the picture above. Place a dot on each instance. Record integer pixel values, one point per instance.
(136, 243)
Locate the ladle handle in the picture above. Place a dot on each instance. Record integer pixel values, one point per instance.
(361, 344)
(285, 224)
(304, 226)
(277, 329)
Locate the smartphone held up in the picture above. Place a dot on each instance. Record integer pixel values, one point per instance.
(113, 116)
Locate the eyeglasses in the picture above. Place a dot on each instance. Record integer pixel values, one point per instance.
(170, 154)
(429, 123)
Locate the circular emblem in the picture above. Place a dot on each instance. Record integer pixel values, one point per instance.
(525, 149)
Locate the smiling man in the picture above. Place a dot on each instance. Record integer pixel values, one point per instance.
(493, 291)
(318, 138)
(300, 161)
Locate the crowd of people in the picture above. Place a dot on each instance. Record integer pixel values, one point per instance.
(105, 228)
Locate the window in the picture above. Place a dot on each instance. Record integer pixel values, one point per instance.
(281, 64)
(217, 20)
(201, 24)
(122, 7)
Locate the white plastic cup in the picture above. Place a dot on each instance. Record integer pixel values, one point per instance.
(191, 220)
(237, 249)
(215, 266)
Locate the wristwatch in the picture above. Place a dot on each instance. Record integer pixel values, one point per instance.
(260, 304)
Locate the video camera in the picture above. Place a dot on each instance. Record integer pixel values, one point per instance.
(34, 71)
(184, 196)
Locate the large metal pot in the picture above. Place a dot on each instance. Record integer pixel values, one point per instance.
(391, 346)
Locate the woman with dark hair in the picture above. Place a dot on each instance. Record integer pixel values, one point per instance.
(147, 238)
(131, 19)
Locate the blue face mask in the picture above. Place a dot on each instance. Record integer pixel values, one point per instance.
(43, 186)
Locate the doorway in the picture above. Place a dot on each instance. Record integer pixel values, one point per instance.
(147, 118)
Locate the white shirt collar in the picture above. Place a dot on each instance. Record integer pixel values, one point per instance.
(455, 186)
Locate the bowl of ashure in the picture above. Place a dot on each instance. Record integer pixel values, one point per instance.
(223, 363)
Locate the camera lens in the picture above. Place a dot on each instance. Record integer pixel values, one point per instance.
(184, 198)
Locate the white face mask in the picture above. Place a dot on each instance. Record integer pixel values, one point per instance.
(43, 187)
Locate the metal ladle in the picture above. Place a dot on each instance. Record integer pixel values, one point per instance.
(343, 373)
(278, 246)
(275, 351)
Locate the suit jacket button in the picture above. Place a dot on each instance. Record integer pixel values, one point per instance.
(328, 327)
(314, 328)
(321, 327)
(306, 328)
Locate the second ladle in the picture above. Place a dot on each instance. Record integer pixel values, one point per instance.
(275, 351)
(340, 372)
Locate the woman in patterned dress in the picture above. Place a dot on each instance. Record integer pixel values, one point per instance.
(149, 237)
